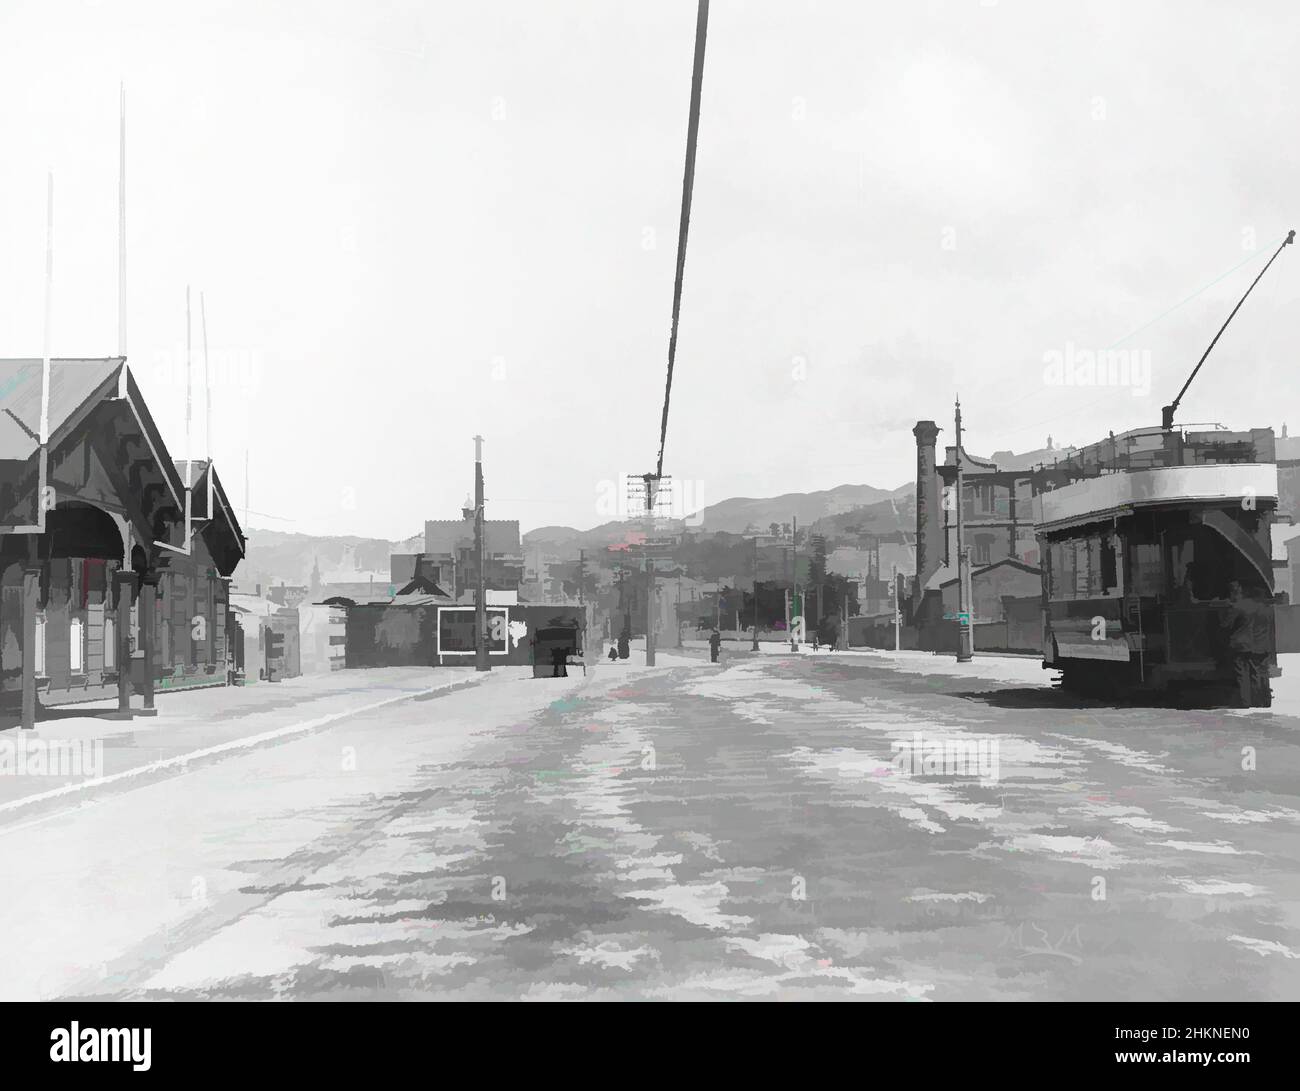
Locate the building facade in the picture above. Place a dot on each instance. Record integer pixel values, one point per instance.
(115, 561)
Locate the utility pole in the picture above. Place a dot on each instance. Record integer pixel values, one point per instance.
(586, 617)
(964, 642)
(678, 614)
(651, 483)
(794, 579)
(755, 645)
(893, 594)
(625, 634)
(787, 616)
(481, 661)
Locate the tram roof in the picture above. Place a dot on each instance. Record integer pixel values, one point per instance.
(1143, 449)
(1167, 487)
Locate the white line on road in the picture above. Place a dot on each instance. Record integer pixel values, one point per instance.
(182, 760)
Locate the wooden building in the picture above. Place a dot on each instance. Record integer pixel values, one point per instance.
(115, 560)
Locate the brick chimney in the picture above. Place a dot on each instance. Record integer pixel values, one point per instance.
(929, 528)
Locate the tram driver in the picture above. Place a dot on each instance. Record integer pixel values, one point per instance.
(1247, 626)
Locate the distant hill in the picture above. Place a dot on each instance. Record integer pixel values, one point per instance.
(886, 519)
(275, 556)
(566, 541)
(739, 513)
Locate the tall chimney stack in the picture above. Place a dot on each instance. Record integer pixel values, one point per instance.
(928, 504)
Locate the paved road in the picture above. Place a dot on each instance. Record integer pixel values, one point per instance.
(695, 831)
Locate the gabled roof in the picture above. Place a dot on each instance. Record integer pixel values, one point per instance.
(74, 385)
(947, 575)
(222, 517)
(423, 585)
(77, 388)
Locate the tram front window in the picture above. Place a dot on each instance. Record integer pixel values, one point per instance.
(1201, 564)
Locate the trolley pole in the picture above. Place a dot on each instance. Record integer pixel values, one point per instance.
(755, 646)
(964, 643)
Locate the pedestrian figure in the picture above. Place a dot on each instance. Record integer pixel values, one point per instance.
(1244, 628)
(1261, 632)
(559, 662)
(613, 654)
(715, 645)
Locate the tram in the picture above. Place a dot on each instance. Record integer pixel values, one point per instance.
(1139, 550)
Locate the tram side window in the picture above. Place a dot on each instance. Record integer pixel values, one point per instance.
(1085, 568)
(1109, 566)
(1063, 570)
(1082, 568)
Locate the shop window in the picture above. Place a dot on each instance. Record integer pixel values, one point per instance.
(40, 644)
(110, 643)
(77, 645)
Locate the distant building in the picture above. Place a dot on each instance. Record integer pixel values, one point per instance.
(998, 528)
(290, 595)
(451, 560)
(997, 510)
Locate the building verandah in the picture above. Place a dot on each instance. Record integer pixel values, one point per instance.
(114, 576)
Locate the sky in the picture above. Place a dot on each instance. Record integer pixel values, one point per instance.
(412, 223)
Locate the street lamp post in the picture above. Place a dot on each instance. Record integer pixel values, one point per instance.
(481, 660)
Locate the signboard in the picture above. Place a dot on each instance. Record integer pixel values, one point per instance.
(456, 630)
